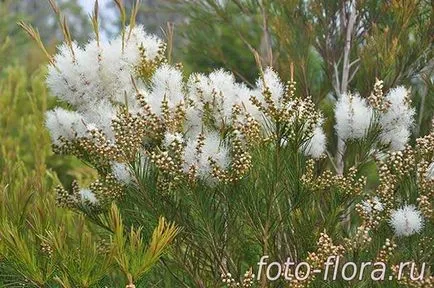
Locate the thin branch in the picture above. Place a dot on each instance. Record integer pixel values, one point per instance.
(266, 36)
(354, 62)
(353, 74)
(347, 47)
(337, 83)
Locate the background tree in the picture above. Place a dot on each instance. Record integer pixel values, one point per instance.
(335, 46)
(14, 44)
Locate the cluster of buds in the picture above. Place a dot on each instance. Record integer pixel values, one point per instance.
(360, 239)
(241, 163)
(386, 251)
(153, 123)
(46, 249)
(249, 128)
(425, 177)
(386, 188)
(317, 259)
(425, 206)
(371, 212)
(401, 163)
(299, 282)
(247, 282)
(425, 145)
(288, 109)
(405, 280)
(169, 164)
(129, 132)
(350, 184)
(147, 67)
(325, 249)
(67, 198)
(290, 90)
(169, 120)
(156, 126)
(96, 149)
(106, 189)
(376, 99)
(164, 162)
(269, 108)
(300, 127)
(248, 279)
(229, 280)
(172, 120)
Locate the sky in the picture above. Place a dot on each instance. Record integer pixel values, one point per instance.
(106, 13)
(88, 4)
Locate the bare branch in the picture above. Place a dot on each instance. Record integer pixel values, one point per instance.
(347, 47)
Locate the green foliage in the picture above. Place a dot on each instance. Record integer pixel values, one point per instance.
(131, 253)
(26, 204)
(15, 47)
(391, 41)
(220, 37)
(81, 256)
(42, 245)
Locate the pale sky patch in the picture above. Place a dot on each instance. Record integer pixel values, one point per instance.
(106, 15)
(88, 4)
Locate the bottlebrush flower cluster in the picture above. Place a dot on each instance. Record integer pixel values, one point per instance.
(354, 116)
(199, 125)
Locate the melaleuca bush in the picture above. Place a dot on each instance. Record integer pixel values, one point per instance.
(195, 128)
(130, 109)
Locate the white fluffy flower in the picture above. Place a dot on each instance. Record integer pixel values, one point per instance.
(121, 172)
(166, 83)
(272, 82)
(353, 117)
(199, 89)
(119, 60)
(64, 79)
(87, 195)
(169, 138)
(406, 220)
(100, 71)
(193, 122)
(100, 115)
(66, 124)
(397, 120)
(212, 148)
(375, 204)
(220, 92)
(226, 94)
(139, 38)
(316, 145)
(244, 94)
